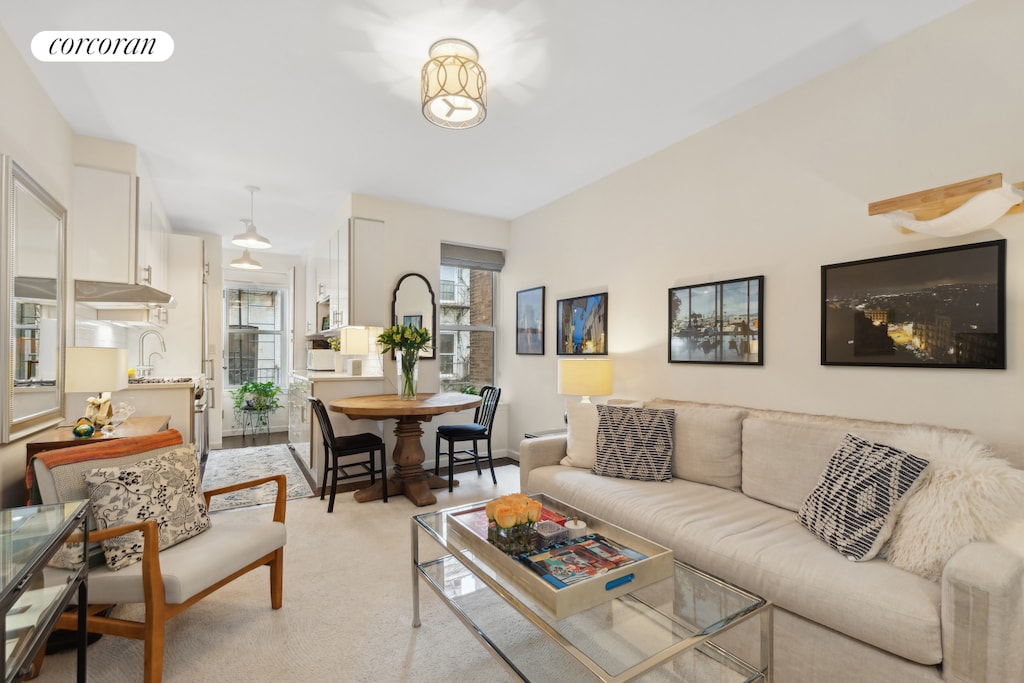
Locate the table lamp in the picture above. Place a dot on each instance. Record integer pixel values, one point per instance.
(90, 369)
(355, 341)
(584, 377)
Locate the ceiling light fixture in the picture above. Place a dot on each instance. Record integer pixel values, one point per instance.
(250, 239)
(454, 85)
(246, 262)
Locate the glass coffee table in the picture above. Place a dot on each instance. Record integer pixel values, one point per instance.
(670, 630)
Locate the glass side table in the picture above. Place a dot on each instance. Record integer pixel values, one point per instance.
(32, 592)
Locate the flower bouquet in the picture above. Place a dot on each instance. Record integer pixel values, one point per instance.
(407, 341)
(513, 517)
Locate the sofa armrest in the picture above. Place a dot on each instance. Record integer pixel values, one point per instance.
(539, 452)
(982, 608)
(280, 501)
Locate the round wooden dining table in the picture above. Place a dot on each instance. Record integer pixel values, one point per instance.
(408, 476)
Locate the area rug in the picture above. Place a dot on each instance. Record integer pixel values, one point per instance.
(233, 465)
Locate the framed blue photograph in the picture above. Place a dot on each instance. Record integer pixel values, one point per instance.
(583, 325)
(530, 322)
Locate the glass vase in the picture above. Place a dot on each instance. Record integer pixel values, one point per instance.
(408, 374)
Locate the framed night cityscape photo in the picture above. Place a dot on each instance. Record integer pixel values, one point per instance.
(942, 308)
(717, 322)
(582, 325)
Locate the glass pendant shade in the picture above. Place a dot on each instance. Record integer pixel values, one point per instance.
(454, 85)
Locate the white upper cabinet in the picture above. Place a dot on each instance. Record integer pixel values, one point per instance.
(102, 235)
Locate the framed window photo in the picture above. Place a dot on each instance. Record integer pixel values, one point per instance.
(941, 308)
(412, 320)
(530, 322)
(717, 322)
(583, 325)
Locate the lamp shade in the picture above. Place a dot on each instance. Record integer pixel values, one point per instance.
(246, 262)
(585, 377)
(92, 370)
(454, 85)
(250, 239)
(355, 341)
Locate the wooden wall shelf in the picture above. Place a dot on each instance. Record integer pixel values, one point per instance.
(939, 201)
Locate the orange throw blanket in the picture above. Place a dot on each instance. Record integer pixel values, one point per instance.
(98, 450)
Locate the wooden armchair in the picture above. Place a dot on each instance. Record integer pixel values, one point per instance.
(170, 581)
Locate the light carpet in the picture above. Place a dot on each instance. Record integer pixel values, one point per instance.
(347, 613)
(233, 465)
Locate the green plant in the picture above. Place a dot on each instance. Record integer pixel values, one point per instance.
(260, 397)
(471, 390)
(403, 338)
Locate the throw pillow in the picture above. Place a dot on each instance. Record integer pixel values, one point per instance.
(706, 442)
(966, 495)
(581, 433)
(634, 443)
(855, 504)
(165, 489)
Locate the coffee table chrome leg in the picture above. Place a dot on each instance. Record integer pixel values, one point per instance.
(415, 573)
(768, 643)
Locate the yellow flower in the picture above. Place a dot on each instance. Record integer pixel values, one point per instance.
(533, 510)
(505, 516)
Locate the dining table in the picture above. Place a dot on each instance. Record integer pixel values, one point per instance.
(408, 476)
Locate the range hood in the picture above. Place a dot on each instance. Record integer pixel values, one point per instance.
(119, 295)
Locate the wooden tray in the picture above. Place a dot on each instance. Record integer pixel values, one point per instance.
(563, 602)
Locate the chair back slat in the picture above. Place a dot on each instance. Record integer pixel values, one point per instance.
(484, 414)
(326, 428)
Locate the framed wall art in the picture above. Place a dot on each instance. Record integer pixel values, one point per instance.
(941, 308)
(583, 325)
(717, 322)
(530, 322)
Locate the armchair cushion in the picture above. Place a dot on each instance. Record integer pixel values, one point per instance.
(165, 488)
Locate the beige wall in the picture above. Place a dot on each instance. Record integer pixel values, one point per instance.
(781, 190)
(35, 135)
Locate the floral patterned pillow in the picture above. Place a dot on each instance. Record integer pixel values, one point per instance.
(165, 489)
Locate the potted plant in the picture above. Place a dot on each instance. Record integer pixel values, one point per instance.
(256, 397)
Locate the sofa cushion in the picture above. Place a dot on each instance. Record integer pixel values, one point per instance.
(966, 495)
(783, 458)
(707, 442)
(634, 443)
(764, 549)
(165, 488)
(581, 435)
(854, 506)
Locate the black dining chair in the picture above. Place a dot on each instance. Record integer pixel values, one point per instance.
(337, 447)
(477, 430)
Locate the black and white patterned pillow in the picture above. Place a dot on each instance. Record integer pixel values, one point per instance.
(634, 443)
(854, 505)
(165, 489)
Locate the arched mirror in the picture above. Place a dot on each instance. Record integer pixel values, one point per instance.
(32, 236)
(413, 304)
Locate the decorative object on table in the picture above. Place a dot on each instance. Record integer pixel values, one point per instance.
(549, 533)
(582, 325)
(940, 308)
(84, 428)
(353, 340)
(530, 322)
(717, 322)
(91, 368)
(576, 527)
(406, 342)
(255, 402)
(514, 516)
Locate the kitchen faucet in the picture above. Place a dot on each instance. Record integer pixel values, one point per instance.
(145, 369)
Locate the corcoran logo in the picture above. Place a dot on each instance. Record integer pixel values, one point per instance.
(102, 46)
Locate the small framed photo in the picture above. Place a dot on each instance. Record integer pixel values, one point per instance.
(325, 322)
(583, 325)
(717, 322)
(530, 322)
(412, 321)
(941, 308)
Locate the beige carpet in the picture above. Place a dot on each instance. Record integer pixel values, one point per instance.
(347, 611)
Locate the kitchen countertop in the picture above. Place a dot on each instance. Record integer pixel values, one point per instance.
(330, 376)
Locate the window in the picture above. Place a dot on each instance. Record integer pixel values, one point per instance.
(465, 337)
(255, 336)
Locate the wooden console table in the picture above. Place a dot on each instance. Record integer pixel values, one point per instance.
(408, 476)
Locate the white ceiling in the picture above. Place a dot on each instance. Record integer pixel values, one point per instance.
(315, 100)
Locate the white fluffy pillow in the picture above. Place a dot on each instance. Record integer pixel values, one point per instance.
(966, 495)
(581, 436)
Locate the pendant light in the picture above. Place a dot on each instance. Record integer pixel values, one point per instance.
(250, 239)
(453, 85)
(246, 262)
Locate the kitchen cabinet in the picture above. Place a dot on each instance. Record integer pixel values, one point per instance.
(327, 386)
(102, 235)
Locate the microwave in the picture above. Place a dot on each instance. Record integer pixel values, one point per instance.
(320, 359)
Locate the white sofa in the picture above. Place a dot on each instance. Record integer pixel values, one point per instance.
(739, 476)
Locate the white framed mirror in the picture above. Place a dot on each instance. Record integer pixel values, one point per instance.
(413, 304)
(32, 238)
